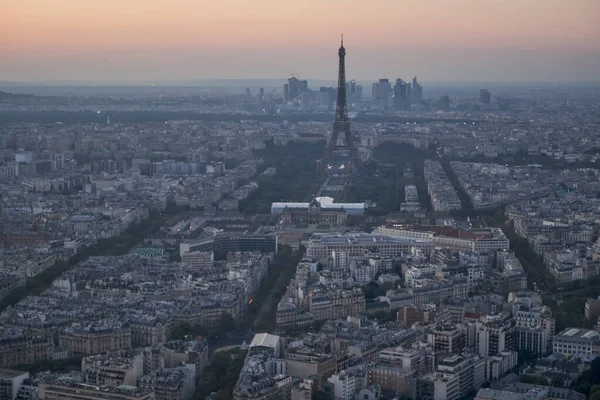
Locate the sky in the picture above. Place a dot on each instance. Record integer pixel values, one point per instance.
(128, 41)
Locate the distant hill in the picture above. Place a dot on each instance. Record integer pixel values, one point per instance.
(11, 96)
(208, 83)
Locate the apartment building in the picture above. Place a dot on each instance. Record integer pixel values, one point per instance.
(303, 362)
(170, 384)
(449, 338)
(19, 349)
(10, 383)
(89, 340)
(336, 304)
(469, 370)
(495, 333)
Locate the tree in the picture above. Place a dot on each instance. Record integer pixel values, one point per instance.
(220, 255)
(595, 392)
(228, 323)
(296, 178)
(320, 395)
(526, 357)
(557, 382)
(186, 329)
(221, 376)
(534, 379)
(589, 379)
(222, 394)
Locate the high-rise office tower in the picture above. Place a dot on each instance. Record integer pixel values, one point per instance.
(261, 94)
(295, 88)
(286, 93)
(248, 94)
(302, 86)
(358, 96)
(417, 92)
(445, 102)
(381, 92)
(350, 92)
(305, 100)
(327, 97)
(485, 97)
(294, 85)
(401, 95)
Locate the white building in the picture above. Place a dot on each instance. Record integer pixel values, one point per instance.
(476, 240)
(25, 157)
(266, 341)
(534, 330)
(420, 271)
(497, 367)
(340, 259)
(408, 359)
(575, 341)
(10, 383)
(494, 334)
(410, 194)
(364, 273)
(321, 246)
(325, 204)
(344, 386)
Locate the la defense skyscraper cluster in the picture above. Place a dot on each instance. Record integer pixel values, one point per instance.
(341, 157)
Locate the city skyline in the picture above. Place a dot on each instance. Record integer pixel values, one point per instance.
(167, 236)
(457, 40)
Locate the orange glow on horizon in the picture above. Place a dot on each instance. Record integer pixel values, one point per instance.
(31, 30)
(30, 25)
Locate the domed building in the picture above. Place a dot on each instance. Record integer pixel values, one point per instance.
(320, 210)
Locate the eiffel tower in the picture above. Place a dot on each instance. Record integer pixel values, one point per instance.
(348, 160)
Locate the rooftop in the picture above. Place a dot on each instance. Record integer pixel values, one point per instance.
(579, 333)
(363, 239)
(264, 340)
(10, 373)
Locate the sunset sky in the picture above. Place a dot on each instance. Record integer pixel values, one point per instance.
(439, 40)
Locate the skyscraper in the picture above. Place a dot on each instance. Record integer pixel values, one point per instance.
(381, 92)
(444, 102)
(485, 97)
(261, 94)
(353, 92)
(417, 92)
(358, 96)
(402, 95)
(327, 96)
(286, 93)
(294, 89)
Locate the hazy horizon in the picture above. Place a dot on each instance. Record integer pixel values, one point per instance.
(103, 42)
